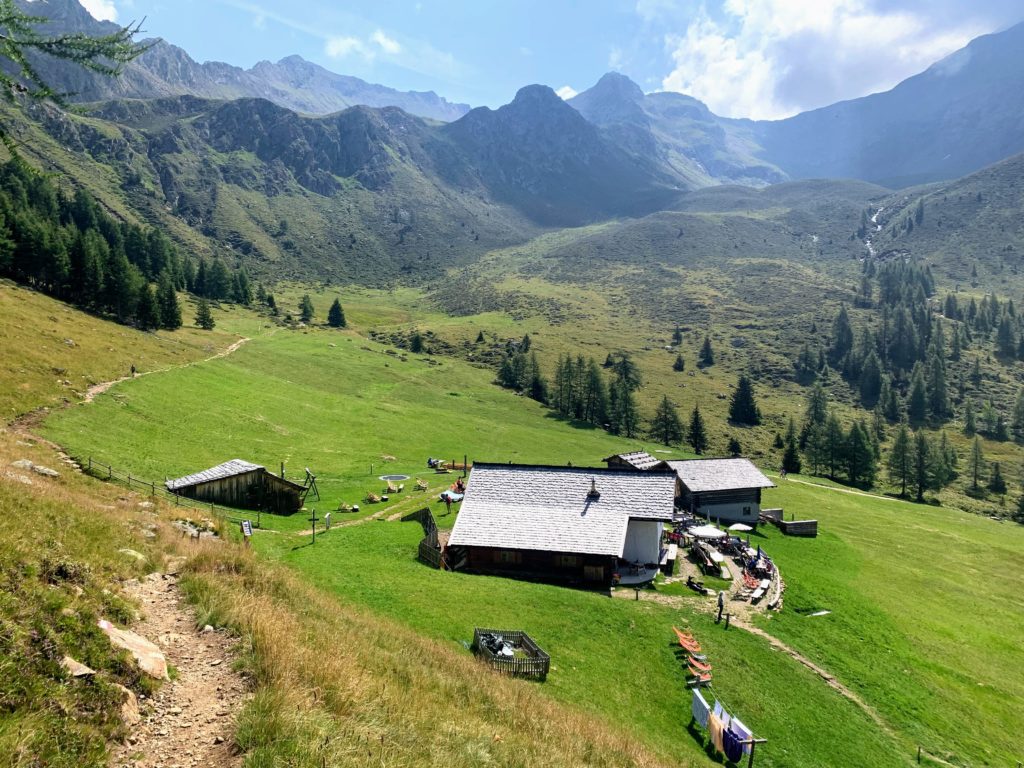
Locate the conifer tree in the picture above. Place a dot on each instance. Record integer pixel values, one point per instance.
(147, 312)
(679, 365)
(306, 310)
(922, 466)
(859, 455)
(1017, 420)
(624, 419)
(996, 483)
(697, 433)
(899, 461)
(536, 384)
(970, 426)
(707, 354)
(834, 445)
(204, 318)
(734, 448)
(677, 336)
(791, 454)
(842, 336)
(870, 380)
(167, 299)
(917, 399)
(743, 407)
(336, 315)
(977, 463)
(666, 427)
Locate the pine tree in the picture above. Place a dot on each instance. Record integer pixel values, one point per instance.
(698, 435)
(899, 462)
(970, 427)
(536, 384)
(743, 407)
(218, 281)
(791, 455)
(944, 464)
(306, 310)
(707, 354)
(734, 448)
(816, 448)
(167, 299)
(204, 318)
(623, 418)
(842, 336)
(938, 396)
(834, 445)
(859, 456)
(1017, 421)
(1006, 337)
(956, 348)
(627, 372)
(677, 336)
(917, 399)
(336, 315)
(870, 380)
(679, 365)
(996, 483)
(922, 465)
(480, 338)
(977, 463)
(524, 345)
(666, 427)
(147, 312)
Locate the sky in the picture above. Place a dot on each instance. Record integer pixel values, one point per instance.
(763, 59)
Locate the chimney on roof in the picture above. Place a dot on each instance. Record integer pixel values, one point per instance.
(593, 493)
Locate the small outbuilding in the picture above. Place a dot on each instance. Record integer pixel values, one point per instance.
(726, 490)
(572, 524)
(639, 460)
(243, 485)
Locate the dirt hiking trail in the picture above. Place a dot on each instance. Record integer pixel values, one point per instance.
(189, 721)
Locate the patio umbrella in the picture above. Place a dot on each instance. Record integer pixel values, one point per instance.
(706, 532)
(740, 527)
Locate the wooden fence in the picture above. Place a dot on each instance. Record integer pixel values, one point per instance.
(536, 663)
(430, 546)
(106, 472)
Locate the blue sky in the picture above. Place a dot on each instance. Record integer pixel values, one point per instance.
(744, 58)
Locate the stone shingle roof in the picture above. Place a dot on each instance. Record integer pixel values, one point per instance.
(548, 508)
(638, 459)
(704, 475)
(221, 471)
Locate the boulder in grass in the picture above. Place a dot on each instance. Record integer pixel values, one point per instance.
(149, 657)
(130, 714)
(76, 668)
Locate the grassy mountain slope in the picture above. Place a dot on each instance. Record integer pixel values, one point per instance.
(268, 402)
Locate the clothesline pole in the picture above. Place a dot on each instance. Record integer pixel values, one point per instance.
(753, 745)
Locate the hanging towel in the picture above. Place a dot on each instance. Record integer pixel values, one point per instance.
(731, 747)
(742, 732)
(719, 709)
(700, 709)
(715, 729)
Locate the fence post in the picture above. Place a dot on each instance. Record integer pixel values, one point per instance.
(90, 463)
(110, 472)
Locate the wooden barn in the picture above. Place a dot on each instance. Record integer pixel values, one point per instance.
(581, 525)
(727, 490)
(240, 484)
(639, 460)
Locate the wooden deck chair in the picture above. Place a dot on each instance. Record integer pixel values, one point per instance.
(392, 488)
(421, 484)
(372, 497)
(401, 487)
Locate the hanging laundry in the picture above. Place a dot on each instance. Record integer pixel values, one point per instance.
(715, 729)
(700, 709)
(731, 746)
(741, 731)
(718, 709)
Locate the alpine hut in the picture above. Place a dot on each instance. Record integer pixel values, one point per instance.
(727, 490)
(240, 484)
(591, 526)
(640, 460)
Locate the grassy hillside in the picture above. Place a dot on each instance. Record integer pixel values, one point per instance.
(916, 622)
(53, 353)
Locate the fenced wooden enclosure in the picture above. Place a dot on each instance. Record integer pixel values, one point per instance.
(430, 546)
(533, 663)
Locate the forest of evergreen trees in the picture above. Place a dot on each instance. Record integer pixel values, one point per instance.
(73, 250)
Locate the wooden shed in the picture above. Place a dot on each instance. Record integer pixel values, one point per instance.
(243, 485)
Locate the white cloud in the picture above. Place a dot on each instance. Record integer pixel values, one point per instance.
(768, 59)
(103, 10)
(387, 44)
(615, 57)
(340, 47)
(566, 92)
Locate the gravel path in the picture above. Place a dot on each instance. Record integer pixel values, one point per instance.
(188, 723)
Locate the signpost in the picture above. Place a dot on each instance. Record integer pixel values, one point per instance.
(327, 521)
(313, 520)
(247, 531)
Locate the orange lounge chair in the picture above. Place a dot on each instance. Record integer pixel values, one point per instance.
(684, 636)
(698, 679)
(698, 665)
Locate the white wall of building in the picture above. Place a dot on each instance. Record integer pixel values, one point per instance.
(643, 541)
